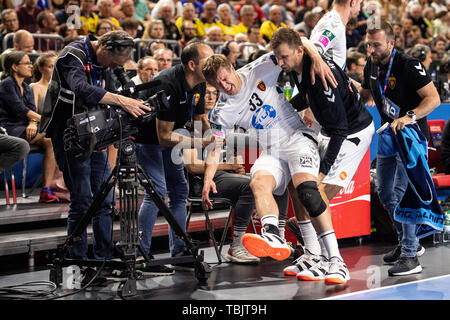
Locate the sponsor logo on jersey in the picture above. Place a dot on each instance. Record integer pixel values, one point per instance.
(196, 98)
(262, 118)
(306, 161)
(261, 86)
(217, 130)
(326, 37)
(343, 175)
(392, 81)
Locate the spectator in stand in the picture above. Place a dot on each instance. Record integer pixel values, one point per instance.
(89, 19)
(307, 25)
(407, 24)
(41, 75)
(127, 8)
(438, 45)
(308, 6)
(104, 26)
(23, 41)
(254, 42)
(154, 30)
(416, 36)
(247, 14)
(141, 10)
(64, 30)
(155, 46)
(164, 58)
(69, 9)
(198, 6)
(214, 34)
(105, 11)
(270, 26)
(353, 37)
(209, 18)
(187, 33)
(47, 25)
(422, 53)
(225, 18)
(189, 14)
(10, 24)
(19, 117)
(166, 14)
(415, 13)
(282, 5)
(355, 66)
(175, 4)
(259, 18)
(27, 14)
(147, 67)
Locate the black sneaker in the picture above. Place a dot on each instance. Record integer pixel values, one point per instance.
(394, 255)
(293, 227)
(405, 266)
(184, 265)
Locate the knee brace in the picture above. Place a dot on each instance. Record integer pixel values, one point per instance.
(310, 197)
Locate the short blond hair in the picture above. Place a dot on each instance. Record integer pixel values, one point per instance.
(212, 65)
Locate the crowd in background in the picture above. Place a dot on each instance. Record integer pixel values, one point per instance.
(241, 30)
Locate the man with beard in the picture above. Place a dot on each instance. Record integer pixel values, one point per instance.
(403, 93)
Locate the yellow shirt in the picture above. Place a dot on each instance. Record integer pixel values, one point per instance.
(89, 24)
(241, 28)
(229, 30)
(198, 25)
(268, 28)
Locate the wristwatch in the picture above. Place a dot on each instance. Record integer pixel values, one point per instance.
(412, 115)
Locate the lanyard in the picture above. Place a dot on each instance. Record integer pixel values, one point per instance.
(192, 105)
(90, 66)
(391, 60)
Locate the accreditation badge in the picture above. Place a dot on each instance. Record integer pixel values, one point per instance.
(390, 108)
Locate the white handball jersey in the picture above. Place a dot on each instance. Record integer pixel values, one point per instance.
(330, 39)
(260, 107)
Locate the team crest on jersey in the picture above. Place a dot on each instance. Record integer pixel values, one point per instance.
(261, 86)
(392, 81)
(306, 161)
(196, 98)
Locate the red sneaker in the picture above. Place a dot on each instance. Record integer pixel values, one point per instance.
(47, 196)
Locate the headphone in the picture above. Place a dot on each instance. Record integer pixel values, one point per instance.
(113, 44)
(419, 52)
(225, 49)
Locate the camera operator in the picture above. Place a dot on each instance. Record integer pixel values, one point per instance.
(82, 81)
(185, 87)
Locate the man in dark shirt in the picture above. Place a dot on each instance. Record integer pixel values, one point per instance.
(403, 93)
(27, 14)
(70, 7)
(346, 133)
(82, 80)
(159, 144)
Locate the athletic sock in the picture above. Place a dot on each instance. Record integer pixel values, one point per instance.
(323, 249)
(282, 228)
(331, 244)
(309, 236)
(237, 236)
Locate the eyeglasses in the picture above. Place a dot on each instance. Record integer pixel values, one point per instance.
(214, 93)
(26, 63)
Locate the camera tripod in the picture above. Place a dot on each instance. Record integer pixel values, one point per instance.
(129, 175)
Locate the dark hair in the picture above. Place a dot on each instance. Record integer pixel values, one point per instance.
(11, 58)
(253, 26)
(285, 35)
(39, 63)
(190, 52)
(384, 26)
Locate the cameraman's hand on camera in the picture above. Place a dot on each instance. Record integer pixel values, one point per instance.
(135, 107)
(212, 139)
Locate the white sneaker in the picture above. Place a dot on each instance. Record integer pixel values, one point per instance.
(337, 272)
(266, 245)
(238, 254)
(304, 262)
(317, 272)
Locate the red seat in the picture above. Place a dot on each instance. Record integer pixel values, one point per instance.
(436, 128)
